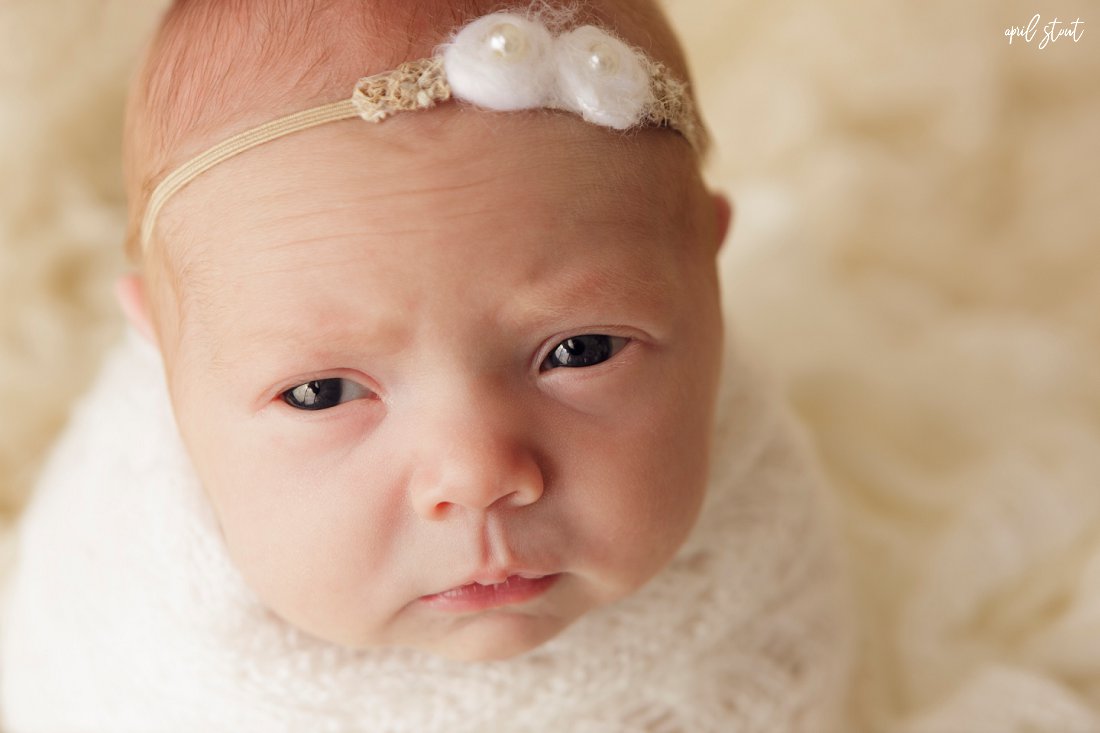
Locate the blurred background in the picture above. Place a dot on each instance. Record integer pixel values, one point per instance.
(915, 251)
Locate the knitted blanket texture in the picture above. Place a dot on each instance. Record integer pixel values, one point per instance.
(913, 257)
(126, 613)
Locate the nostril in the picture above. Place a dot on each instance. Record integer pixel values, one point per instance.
(511, 499)
(441, 509)
(493, 474)
(528, 493)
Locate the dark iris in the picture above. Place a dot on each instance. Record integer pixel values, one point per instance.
(319, 394)
(582, 351)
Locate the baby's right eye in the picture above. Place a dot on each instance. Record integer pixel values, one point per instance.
(322, 394)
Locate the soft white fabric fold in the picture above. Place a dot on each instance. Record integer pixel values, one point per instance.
(126, 614)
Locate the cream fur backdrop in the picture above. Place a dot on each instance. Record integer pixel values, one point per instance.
(916, 251)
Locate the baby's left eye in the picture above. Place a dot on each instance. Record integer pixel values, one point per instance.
(321, 394)
(583, 351)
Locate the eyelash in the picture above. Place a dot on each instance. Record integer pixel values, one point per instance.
(318, 387)
(571, 347)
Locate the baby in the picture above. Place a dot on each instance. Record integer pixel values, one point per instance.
(415, 426)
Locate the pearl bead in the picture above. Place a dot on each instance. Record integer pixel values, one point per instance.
(602, 58)
(507, 41)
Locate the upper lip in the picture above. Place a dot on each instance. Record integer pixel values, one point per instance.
(492, 576)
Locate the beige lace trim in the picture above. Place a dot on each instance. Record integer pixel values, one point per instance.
(673, 107)
(413, 85)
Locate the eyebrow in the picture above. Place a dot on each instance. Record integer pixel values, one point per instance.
(385, 333)
(554, 300)
(544, 300)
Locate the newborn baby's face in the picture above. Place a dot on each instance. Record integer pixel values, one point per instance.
(408, 364)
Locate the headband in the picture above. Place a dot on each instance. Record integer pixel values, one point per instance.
(501, 61)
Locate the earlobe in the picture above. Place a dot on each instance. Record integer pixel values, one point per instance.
(723, 216)
(130, 293)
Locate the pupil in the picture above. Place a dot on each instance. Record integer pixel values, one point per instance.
(318, 394)
(582, 351)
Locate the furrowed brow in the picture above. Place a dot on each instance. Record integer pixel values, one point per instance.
(605, 289)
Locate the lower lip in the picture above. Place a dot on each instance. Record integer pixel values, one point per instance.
(474, 597)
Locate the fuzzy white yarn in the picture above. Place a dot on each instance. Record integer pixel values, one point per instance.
(126, 613)
(615, 96)
(482, 73)
(505, 61)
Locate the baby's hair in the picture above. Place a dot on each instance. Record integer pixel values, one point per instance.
(219, 66)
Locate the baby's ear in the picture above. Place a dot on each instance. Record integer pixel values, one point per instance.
(130, 292)
(723, 215)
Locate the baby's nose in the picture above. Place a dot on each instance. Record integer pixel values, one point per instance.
(476, 463)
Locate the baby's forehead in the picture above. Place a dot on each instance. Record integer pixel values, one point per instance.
(452, 171)
(198, 81)
(434, 207)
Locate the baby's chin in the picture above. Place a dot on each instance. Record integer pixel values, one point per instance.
(494, 636)
(490, 636)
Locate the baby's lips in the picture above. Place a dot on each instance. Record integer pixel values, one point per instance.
(476, 597)
(496, 576)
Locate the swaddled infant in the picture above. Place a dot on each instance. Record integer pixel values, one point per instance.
(448, 379)
(448, 386)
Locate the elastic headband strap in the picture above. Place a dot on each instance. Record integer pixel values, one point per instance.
(412, 85)
(183, 175)
(605, 81)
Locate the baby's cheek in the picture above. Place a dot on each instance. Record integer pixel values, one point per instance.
(634, 484)
(631, 519)
(301, 525)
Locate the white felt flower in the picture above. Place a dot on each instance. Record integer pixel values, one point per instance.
(501, 61)
(601, 78)
(507, 62)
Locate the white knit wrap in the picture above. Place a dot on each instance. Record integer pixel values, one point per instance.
(125, 613)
